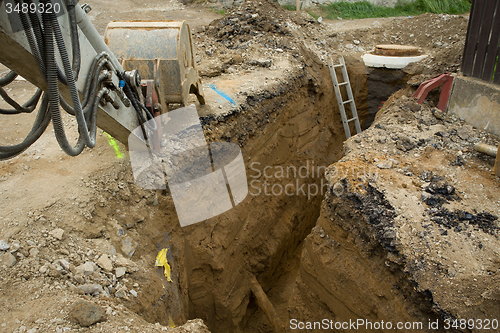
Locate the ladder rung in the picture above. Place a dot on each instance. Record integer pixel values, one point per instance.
(349, 101)
(335, 66)
(343, 83)
(352, 119)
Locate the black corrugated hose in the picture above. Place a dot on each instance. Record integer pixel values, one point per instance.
(43, 49)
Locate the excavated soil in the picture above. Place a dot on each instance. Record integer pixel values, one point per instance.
(80, 229)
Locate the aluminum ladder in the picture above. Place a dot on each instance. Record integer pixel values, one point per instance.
(350, 97)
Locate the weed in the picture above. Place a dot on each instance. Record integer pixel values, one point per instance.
(313, 15)
(218, 11)
(364, 9)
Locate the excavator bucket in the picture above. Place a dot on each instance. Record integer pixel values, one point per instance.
(162, 52)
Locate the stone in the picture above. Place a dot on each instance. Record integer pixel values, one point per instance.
(124, 262)
(128, 246)
(133, 292)
(463, 133)
(120, 271)
(89, 288)
(384, 165)
(64, 264)
(15, 246)
(57, 233)
(34, 252)
(4, 246)
(438, 114)
(43, 269)
(237, 59)
(121, 293)
(7, 259)
(86, 314)
(86, 269)
(105, 263)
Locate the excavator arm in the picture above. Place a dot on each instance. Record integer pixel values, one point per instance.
(53, 44)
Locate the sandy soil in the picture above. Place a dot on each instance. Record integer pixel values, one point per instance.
(256, 54)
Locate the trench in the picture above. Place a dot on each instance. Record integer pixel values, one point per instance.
(288, 137)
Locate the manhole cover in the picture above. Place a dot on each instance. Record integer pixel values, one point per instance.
(396, 50)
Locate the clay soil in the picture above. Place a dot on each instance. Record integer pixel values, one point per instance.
(60, 214)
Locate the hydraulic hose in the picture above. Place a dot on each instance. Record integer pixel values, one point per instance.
(75, 42)
(41, 122)
(53, 92)
(90, 85)
(138, 105)
(27, 107)
(8, 78)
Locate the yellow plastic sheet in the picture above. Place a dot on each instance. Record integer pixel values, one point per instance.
(161, 261)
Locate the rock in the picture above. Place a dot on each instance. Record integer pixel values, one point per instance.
(3, 245)
(86, 314)
(414, 107)
(79, 279)
(320, 19)
(86, 269)
(16, 245)
(124, 262)
(57, 233)
(89, 288)
(133, 292)
(463, 133)
(105, 263)
(120, 271)
(43, 269)
(128, 246)
(7, 259)
(261, 63)
(440, 187)
(405, 144)
(356, 42)
(237, 59)
(34, 252)
(438, 113)
(429, 199)
(384, 165)
(121, 293)
(64, 264)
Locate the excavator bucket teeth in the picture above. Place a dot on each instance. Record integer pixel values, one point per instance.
(161, 51)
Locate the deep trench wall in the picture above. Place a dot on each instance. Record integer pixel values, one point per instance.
(381, 84)
(347, 269)
(358, 77)
(297, 126)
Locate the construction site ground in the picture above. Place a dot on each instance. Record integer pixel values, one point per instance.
(77, 229)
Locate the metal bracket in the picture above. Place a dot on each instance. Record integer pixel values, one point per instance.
(444, 79)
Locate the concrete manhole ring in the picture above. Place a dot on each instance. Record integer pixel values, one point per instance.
(396, 50)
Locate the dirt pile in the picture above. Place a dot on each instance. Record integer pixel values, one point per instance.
(412, 203)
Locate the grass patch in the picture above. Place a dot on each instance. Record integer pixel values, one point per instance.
(313, 15)
(289, 7)
(364, 9)
(218, 11)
